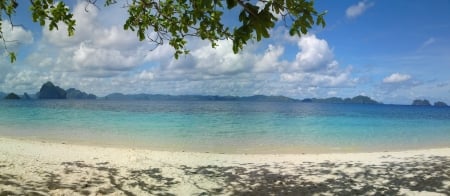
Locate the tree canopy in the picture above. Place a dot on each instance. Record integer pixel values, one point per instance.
(172, 21)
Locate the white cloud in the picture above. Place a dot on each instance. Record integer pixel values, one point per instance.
(398, 86)
(314, 54)
(24, 81)
(218, 71)
(5, 67)
(91, 56)
(146, 75)
(358, 9)
(221, 59)
(270, 61)
(205, 62)
(396, 78)
(314, 65)
(16, 35)
(319, 79)
(96, 49)
(428, 42)
(332, 93)
(84, 28)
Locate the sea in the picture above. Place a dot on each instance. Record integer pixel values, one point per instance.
(228, 126)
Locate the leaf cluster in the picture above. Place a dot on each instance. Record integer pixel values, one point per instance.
(47, 10)
(173, 21)
(42, 11)
(7, 8)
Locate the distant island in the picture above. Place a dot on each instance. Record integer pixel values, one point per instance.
(420, 102)
(424, 102)
(159, 97)
(440, 104)
(355, 100)
(255, 98)
(12, 96)
(50, 91)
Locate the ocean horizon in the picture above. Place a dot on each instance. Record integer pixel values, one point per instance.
(228, 126)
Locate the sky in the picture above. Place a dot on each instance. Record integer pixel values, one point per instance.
(391, 51)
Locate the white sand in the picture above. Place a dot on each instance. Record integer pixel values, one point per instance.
(35, 167)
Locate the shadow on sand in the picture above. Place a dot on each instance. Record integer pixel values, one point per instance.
(430, 174)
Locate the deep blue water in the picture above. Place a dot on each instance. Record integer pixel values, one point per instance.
(230, 127)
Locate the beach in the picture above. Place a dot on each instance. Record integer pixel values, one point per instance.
(34, 167)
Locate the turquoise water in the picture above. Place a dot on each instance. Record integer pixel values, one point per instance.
(228, 127)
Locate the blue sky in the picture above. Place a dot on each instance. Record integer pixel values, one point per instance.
(392, 51)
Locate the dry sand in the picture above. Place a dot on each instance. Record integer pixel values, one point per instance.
(43, 168)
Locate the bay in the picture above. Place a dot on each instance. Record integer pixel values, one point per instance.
(228, 126)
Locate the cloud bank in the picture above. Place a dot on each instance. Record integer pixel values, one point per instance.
(396, 78)
(103, 58)
(358, 9)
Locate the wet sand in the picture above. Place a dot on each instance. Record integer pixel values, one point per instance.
(42, 168)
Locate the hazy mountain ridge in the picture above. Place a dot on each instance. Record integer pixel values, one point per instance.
(51, 91)
(355, 100)
(73, 93)
(160, 97)
(255, 98)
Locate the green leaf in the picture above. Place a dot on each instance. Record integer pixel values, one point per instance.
(231, 3)
(12, 57)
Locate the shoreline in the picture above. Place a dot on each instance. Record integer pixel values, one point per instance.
(262, 150)
(90, 144)
(28, 167)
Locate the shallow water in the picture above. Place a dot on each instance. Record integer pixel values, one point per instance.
(228, 127)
